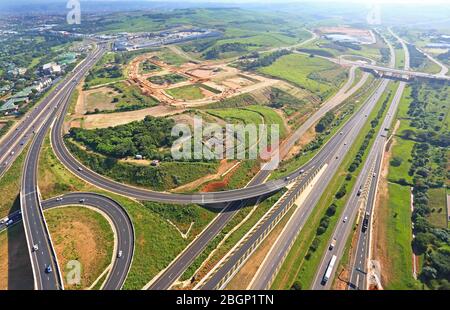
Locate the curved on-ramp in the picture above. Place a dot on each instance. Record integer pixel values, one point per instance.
(121, 224)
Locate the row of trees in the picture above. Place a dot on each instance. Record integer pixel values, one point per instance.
(266, 60)
(374, 123)
(216, 51)
(325, 122)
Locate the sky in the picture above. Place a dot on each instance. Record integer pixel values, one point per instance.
(412, 2)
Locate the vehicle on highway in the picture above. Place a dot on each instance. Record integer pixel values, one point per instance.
(8, 223)
(359, 191)
(35, 247)
(332, 244)
(365, 224)
(59, 199)
(48, 269)
(119, 254)
(345, 219)
(329, 270)
(80, 169)
(82, 200)
(302, 171)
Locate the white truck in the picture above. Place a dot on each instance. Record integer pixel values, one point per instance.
(329, 270)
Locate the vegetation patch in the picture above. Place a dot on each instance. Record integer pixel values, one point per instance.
(157, 241)
(83, 235)
(317, 75)
(187, 92)
(171, 78)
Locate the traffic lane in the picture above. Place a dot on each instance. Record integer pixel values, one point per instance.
(36, 230)
(352, 207)
(14, 144)
(343, 228)
(324, 153)
(282, 245)
(352, 130)
(122, 226)
(328, 153)
(214, 281)
(358, 275)
(10, 220)
(176, 269)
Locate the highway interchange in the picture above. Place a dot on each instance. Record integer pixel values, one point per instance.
(50, 114)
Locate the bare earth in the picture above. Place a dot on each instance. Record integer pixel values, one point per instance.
(115, 119)
(380, 215)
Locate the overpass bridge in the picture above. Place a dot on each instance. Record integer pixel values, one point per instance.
(396, 73)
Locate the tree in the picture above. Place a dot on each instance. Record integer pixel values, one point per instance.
(296, 286)
(422, 241)
(396, 161)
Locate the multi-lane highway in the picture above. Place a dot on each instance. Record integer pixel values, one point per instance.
(280, 248)
(121, 225)
(182, 262)
(46, 272)
(360, 204)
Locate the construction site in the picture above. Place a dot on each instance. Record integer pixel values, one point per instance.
(192, 84)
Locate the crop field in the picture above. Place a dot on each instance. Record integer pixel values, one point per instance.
(319, 76)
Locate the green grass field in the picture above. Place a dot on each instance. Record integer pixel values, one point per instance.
(317, 75)
(187, 92)
(171, 58)
(401, 151)
(399, 236)
(438, 205)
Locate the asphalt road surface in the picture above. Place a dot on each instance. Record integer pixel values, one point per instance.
(281, 247)
(122, 226)
(181, 263)
(36, 230)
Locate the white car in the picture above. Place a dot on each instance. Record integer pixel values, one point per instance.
(119, 254)
(35, 247)
(345, 219)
